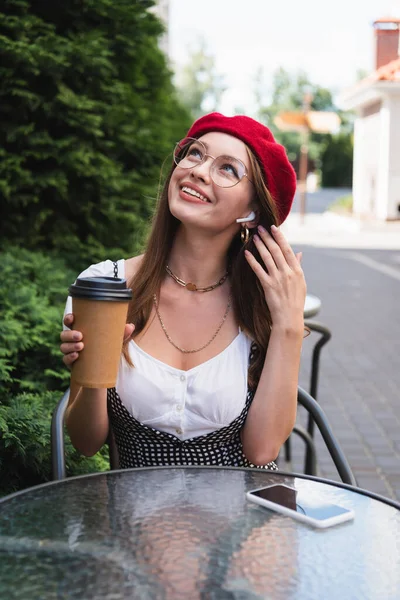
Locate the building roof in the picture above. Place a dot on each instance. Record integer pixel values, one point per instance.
(387, 20)
(389, 72)
(369, 89)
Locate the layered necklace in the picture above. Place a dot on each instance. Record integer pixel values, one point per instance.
(193, 288)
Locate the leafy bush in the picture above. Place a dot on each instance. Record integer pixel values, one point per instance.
(32, 375)
(25, 456)
(32, 295)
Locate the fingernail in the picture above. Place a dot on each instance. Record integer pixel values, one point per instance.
(77, 336)
(274, 228)
(261, 229)
(256, 238)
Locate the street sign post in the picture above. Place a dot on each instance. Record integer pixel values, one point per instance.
(305, 122)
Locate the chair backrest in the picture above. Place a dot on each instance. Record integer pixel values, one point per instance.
(313, 408)
(319, 417)
(58, 442)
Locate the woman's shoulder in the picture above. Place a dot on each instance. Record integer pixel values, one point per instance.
(124, 268)
(104, 268)
(132, 266)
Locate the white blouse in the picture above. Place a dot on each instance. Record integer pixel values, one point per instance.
(184, 403)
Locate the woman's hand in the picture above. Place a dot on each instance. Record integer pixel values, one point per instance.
(72, 340)
(281, 277)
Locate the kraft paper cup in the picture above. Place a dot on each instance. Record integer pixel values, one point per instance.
(100, 307)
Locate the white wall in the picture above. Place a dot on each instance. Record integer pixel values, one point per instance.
(383, 142)
(366, 161)
(393, 199)
(376, 170)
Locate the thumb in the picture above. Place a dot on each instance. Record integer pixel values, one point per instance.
(129, 329)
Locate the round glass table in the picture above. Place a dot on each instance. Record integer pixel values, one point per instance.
(167, 533)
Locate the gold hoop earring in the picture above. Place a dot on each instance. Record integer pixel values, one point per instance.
(244, 234)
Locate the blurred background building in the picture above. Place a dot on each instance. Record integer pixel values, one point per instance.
(376, 101)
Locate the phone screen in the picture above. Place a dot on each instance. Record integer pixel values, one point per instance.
(298, 501)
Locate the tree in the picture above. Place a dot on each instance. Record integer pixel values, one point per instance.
(201, 87)
(287, 95)
(337, 161)
(87, 115)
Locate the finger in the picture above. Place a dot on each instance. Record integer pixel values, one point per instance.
(68, 319)
(274, 248)
(129, 329)
(299, 257)
(69, 335)
(265, 255)
(257, 268)
(285, 247)
(68, 348)
(69, 359)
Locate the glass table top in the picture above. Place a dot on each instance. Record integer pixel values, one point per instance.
(191, 533)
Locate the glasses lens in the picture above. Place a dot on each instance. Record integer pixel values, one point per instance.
(227, 171)
(189, 153)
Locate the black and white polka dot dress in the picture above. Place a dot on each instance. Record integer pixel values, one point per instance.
(142, 446)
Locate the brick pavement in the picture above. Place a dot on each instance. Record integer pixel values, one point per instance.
(359, 385)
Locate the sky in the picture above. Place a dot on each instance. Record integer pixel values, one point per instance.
(329, 40)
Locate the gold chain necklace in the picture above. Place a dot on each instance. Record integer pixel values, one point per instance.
(197, 349)
(192, 287)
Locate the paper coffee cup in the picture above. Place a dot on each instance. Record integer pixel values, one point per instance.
(100, 307)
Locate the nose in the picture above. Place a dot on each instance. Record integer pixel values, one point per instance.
(203, 170)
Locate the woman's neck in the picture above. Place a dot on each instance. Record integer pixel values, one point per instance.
(197, 258)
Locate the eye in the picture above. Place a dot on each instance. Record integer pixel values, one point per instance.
(230, 169)
(195, 153)
(228, 166)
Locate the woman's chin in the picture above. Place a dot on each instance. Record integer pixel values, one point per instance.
(188, 212)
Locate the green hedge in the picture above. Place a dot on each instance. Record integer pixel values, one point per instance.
(32, 375)
(88, 113)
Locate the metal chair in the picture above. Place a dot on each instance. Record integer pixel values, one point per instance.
(307, 434)
(315, 413)
(58, 442)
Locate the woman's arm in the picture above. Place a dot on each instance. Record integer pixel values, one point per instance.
(86, 419)
(86, 416)
(272, 413)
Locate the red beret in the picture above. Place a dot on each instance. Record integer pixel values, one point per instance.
(280, 176)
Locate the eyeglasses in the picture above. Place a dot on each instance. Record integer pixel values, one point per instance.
(225, 171)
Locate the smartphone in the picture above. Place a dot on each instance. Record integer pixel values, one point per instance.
(297, 504)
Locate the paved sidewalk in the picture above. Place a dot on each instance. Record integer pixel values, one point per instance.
(354, 268)
(333, 230)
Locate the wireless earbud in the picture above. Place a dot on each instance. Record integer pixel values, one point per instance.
(250, 217)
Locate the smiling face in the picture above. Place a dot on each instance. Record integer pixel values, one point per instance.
(195, 199)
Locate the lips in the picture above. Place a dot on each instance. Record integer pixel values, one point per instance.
(194, 193)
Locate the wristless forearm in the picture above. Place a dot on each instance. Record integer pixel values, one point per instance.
(87, 420)
(273, 411)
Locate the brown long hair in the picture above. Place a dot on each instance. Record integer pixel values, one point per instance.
(248, 297)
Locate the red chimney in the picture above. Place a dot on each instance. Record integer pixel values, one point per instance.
(387, 40)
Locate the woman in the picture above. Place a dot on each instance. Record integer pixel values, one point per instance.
(212, 345)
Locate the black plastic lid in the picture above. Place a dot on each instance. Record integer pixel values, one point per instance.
(101, 288)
